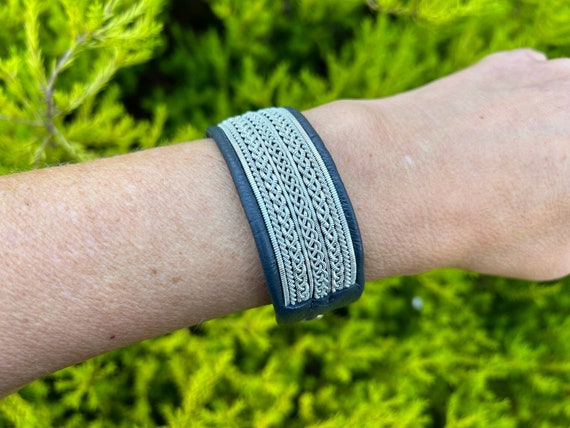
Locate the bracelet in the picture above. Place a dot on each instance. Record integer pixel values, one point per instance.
(302, 220)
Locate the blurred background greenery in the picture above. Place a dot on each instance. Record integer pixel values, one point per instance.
(81, 80)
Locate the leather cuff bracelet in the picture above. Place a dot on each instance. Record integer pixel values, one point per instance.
(301, 217)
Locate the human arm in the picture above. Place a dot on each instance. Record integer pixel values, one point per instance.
(469, 171)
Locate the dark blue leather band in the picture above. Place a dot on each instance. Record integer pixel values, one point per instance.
(313, 306)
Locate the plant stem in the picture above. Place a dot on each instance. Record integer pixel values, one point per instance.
(50, 112)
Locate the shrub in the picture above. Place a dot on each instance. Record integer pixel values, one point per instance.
(444, 348)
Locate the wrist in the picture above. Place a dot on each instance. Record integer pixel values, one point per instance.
(405, 224)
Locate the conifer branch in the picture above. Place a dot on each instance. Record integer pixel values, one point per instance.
(109, 9)
(51, 109)
(40, 151)
(49, 140)
(120, 34)
(19, 120)
(15, 86)
(59, 66)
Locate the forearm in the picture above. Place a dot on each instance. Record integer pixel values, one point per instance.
(103, 254)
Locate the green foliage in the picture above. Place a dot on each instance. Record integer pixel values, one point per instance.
(55, 60)
(444, 348)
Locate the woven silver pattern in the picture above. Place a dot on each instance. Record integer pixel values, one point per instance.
(298, 201)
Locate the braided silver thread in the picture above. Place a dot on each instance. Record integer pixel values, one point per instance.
(336, 233)
(299, 203)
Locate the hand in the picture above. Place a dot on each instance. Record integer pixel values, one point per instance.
(470, 171)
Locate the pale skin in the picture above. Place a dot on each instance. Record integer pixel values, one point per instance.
(471, 171)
